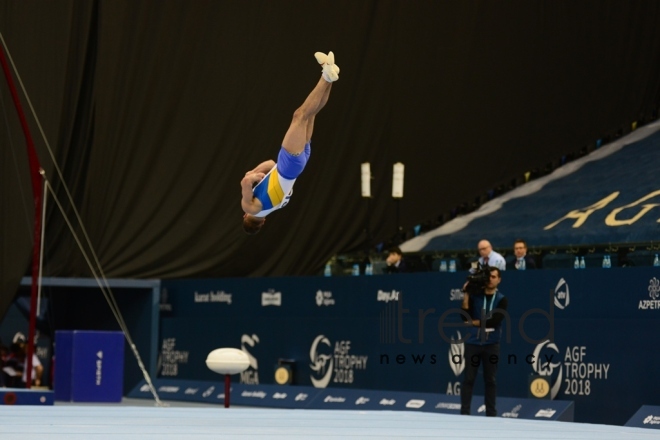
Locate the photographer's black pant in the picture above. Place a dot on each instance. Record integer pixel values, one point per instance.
(476, 355)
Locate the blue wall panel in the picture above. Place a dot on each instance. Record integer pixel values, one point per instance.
(592, 331)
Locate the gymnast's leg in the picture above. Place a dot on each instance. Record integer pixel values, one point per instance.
(302, 124)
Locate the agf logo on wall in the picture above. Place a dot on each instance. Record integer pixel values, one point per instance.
(547, 368)
(251, 375)
(171, 358)
(322, 363)
(457, 364)
(575, 374)
(336, 364)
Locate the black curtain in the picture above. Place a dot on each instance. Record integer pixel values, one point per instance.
(155, 109)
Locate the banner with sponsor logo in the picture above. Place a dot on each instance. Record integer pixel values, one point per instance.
(276, 396)
(589, 332)
(301, 397)
(647, 417)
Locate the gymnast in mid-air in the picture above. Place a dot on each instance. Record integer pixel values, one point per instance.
(269, 186)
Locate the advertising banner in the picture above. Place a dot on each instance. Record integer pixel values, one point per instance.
(586, 331)
(281, 396)
(647, 417)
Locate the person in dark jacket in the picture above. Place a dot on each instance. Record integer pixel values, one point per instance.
(395, 262)
(522, 261)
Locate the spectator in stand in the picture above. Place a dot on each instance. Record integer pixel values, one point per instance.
(4, 352)
(16, 363)
(522, 261)
(487, 256)
(395, 262)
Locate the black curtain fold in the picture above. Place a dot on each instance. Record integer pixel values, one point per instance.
(156, 109)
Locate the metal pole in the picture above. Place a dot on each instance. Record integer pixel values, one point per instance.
(37, 194)
(227, 389)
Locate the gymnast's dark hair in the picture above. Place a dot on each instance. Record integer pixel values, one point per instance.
(252, 225)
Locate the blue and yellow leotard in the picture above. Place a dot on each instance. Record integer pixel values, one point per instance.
(275, 189)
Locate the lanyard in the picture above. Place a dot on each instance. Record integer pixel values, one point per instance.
(491, 303)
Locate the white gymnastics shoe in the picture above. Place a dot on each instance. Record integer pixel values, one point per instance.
(321, 58)
(330, 69)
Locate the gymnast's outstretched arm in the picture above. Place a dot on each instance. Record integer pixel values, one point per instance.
(249, 204)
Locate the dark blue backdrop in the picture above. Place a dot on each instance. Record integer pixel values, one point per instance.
(591, 330)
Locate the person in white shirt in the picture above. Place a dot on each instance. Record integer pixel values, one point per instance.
(487, 256)
(16, 364)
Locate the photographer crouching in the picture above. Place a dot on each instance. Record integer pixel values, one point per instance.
(486, 307)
